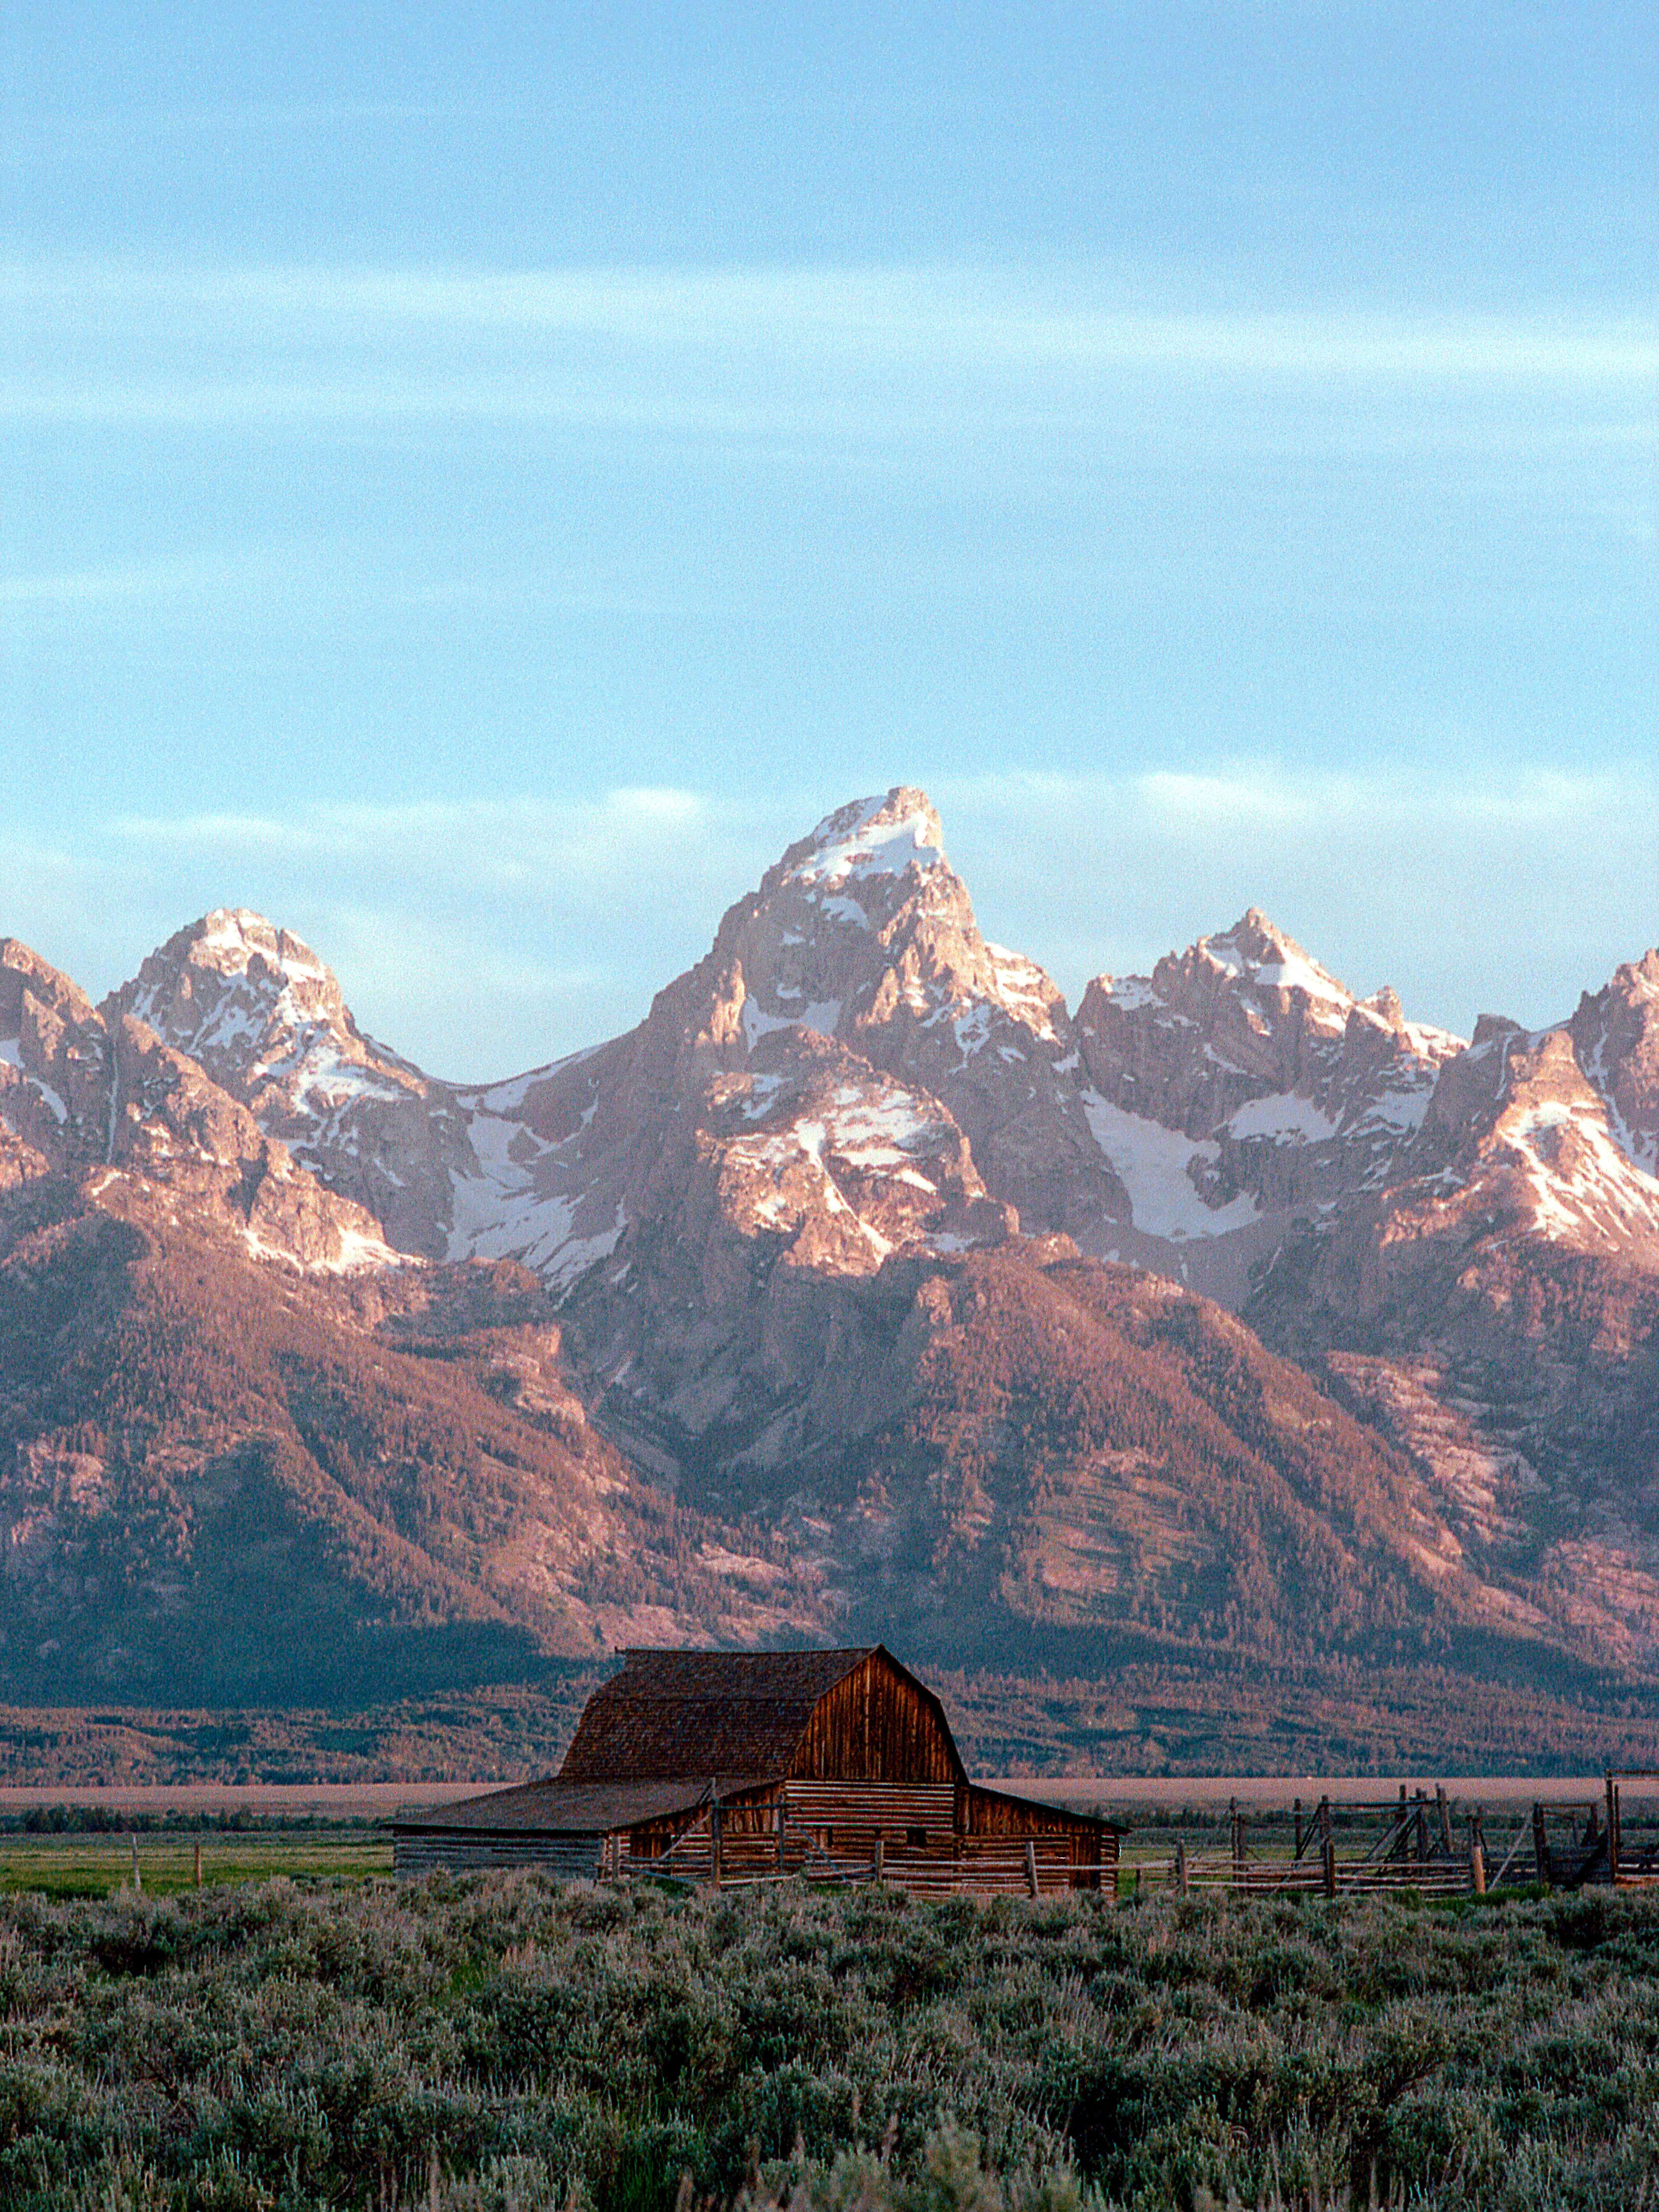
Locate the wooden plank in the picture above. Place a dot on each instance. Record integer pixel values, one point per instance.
(877, 1725)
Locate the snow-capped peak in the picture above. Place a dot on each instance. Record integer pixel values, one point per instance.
(878, 836)
(232, 937)
(1253, 950)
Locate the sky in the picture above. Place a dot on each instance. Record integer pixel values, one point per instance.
(477, 481)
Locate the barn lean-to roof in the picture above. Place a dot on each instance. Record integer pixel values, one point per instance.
(572, 1809)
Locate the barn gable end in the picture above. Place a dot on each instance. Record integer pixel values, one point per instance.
(877, 1724)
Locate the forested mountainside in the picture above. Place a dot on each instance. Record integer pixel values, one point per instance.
(855, 1292)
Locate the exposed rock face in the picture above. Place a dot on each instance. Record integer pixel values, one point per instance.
(1290, 1092)
(821, 1233)
(1615, 1035)
(54, 1069)
(263, 1017)
(1495, 1305)
(94, 1091)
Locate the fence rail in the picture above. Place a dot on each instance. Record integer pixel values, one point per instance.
(1021, 1870)
(1264, 1875)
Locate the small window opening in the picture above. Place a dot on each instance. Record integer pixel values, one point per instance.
(916, 1838)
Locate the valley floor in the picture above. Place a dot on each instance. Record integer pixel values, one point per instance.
(499, 2042)
(1141, 1718)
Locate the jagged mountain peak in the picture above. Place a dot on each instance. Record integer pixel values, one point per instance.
(253, 1005)
(861, 932)
(1256, 952)
(256, 1007)
(23, 969)
(883, 836)
(235, 943)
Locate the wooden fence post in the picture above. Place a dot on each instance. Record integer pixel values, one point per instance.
(1612, 1829)
(1444, 1811)
(1237, 1820)
(1182, 1885)
(1421, 1831)
(1477, 1864)
(780, 1815)
(1030, 1866)
(1328, 1855)
(714, 1868)
(198, 1865)
(1541, 1847)
(878, 1865)
(138, 1878)
(1298, 1827)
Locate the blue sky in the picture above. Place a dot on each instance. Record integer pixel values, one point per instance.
(475, 482)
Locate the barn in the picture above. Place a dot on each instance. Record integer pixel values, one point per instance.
(732, 1766)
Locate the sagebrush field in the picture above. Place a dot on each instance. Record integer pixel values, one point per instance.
(498, 2042)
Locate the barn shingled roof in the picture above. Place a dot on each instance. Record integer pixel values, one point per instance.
(670, 1713)
(555, 1808)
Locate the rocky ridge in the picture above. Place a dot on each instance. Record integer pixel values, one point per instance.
(85, 1089)
(854, 1125)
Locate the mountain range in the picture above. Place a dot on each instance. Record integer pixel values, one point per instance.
(863, 1289)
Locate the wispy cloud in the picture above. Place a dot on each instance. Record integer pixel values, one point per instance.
(847, 354)
(906, 311)
(75, 591)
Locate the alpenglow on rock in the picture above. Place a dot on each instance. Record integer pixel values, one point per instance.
(823, 1234)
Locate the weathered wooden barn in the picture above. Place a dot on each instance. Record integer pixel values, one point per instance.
(730, 1767)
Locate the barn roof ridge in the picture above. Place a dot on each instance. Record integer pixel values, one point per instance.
(747, 1712)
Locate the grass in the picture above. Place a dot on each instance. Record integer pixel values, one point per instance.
(101, 1865)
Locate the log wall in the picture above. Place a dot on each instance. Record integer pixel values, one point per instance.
(570, 1858)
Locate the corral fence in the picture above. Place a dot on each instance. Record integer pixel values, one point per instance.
(1613, 1838)
(712, 1852)
(1421, 1842)
(1412, 1843)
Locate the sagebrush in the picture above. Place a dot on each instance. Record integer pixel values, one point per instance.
(498, 2042)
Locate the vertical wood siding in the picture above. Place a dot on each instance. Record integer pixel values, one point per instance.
(876, 1726)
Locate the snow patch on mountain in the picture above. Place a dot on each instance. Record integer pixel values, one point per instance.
(241, 935)
(1023, 991)
(1285, 1117)
(1582, 1182)
(871, 837)
(1154, 1165)
(822, 1016)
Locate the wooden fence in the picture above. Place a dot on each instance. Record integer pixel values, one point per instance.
(1600, 1839)
(1413, 1843)
(711, 1852)
(1417, 1843)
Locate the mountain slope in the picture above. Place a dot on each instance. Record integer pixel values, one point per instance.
(1078, 1454)
(230, 1477)
(833, 1348)
(1495, 1308)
